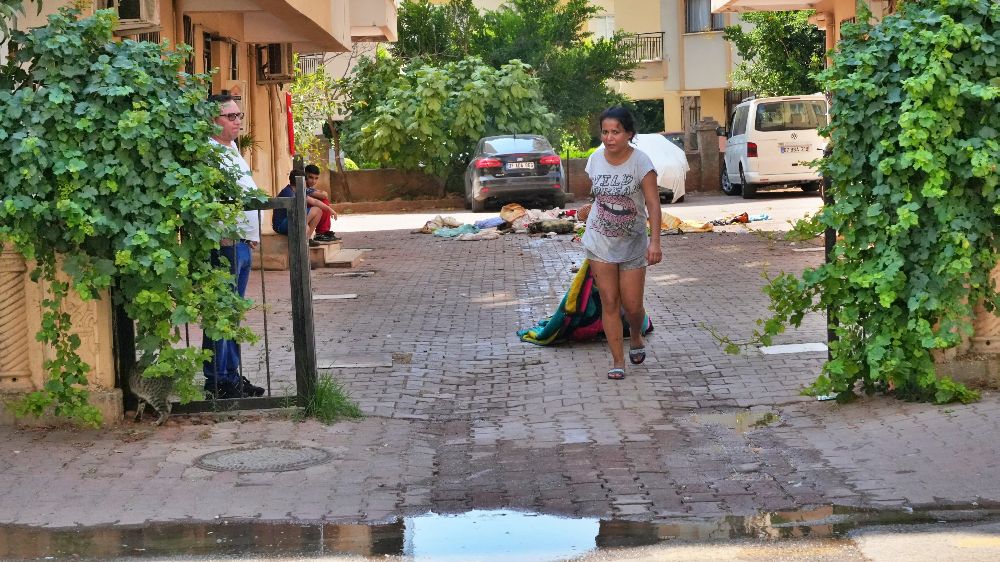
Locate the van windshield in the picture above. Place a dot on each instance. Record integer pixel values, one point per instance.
(790, 115)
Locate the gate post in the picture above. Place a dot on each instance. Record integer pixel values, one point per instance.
(303, 328)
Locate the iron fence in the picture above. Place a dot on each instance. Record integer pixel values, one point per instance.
(287, 381)
(644, 47)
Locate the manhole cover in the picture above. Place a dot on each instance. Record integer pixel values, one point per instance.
(263, 457)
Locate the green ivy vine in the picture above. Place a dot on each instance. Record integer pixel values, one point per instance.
(108, 181)
(916, 100)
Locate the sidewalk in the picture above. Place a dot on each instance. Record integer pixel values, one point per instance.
(468, 417)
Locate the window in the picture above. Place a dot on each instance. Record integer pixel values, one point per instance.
(603, 27)
(740, 121)
(234, 62)
(790, 115)
(189, 40)
(700, 18)
(690, 111)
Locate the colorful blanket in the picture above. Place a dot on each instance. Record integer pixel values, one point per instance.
(578, 317)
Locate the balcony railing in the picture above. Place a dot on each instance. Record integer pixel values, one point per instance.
(644, 46)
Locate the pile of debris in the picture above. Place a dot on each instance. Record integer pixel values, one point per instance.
(513, 218)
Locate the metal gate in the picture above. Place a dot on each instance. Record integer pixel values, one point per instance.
(285, 383)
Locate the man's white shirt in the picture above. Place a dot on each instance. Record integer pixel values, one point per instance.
(249, 224)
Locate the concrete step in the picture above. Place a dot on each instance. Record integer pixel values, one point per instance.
(274, 251)
(345, 257)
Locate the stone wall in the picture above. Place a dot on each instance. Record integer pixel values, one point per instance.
(21, 356)
(383, 185)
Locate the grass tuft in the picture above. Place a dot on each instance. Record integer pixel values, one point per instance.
(331, 403)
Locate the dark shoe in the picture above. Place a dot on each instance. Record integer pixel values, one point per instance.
(222, 391)
(250, 390)
(616, 374)
(327, 237)
(637, 355)
(314, 243)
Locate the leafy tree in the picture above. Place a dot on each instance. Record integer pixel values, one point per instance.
(437, 32)
(781, 54)
(419, 116)
(548, 35)
(108, 174)
(916, 193)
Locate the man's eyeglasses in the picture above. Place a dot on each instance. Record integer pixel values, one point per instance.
(233, 116)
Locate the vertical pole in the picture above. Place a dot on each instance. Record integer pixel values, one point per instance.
(303, 329)
(123, 343)
(830, 239)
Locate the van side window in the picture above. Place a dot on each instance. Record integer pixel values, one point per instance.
(740, 121)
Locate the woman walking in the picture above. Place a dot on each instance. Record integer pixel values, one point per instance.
(617, 244)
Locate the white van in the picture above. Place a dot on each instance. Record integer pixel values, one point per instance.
(771, 142)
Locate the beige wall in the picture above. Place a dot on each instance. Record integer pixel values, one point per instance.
(707, 61)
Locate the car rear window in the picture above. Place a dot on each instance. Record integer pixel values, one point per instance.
(509, 145)
(790, 115)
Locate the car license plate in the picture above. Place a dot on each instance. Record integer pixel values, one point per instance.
(520, 165)
(794, 148)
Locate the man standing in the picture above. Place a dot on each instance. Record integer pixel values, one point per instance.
(323, 232)
(222, 372)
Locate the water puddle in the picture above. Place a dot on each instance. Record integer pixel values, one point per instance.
(741, 422)
(489, 536)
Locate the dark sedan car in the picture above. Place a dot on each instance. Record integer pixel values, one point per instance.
(517, 168)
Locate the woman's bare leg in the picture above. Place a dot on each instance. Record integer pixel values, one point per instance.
(606, 277)
(632, 285)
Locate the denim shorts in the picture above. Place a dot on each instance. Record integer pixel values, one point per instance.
(637, 263)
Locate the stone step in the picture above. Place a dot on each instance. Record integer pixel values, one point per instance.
(345, 257)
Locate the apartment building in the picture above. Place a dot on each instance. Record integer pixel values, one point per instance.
(684, 62)
(251, 43)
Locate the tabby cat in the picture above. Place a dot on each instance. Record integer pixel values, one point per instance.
(154, 391)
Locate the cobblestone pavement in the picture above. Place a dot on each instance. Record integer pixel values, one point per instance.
(465, 416)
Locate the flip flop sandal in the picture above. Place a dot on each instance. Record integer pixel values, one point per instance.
(637, 355)
(616, 374)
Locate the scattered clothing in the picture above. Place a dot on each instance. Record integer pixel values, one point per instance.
(558, 226)
(578, 316)
(512, 211)
(487, 234)
(491, 223)
(673, 225)
(446, 232)
(438, 222)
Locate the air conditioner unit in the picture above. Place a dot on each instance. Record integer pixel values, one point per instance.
(134, 16)
(274, 63)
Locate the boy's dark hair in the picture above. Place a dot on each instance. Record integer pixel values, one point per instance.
(622, 115)
(312, 169)
(295, 174)
(221, 98)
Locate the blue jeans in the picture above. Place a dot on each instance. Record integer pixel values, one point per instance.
(224, 366)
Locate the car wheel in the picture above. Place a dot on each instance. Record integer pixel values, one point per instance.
(478, 206)
(749, 189)
(812, 186)
(728, 187)
(558, 201)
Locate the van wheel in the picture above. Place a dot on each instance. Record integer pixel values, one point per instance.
(477, 206)
(728, 187)
(749, 189)
(812, 186)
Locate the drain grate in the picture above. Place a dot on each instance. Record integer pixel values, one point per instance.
(263, 457)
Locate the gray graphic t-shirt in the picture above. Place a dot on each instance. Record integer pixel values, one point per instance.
(616, 227)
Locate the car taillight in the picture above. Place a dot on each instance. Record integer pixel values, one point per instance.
(488, 163)
(550, 160)
(751, 150)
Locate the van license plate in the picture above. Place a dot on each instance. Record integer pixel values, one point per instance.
(788, 149)
(520, 165)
